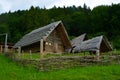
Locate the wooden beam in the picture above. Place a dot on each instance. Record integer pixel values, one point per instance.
(41, 48)
(98, 55)
(30, 54)
(6, 48)
(19, 52)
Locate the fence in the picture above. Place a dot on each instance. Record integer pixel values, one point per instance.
(59, 61)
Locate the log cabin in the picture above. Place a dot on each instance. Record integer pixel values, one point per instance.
(52, 38)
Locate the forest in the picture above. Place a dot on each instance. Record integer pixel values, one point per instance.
(101, 20)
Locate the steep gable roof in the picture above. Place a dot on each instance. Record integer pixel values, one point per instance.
(38, 34)
(93, 45)
(78, 40)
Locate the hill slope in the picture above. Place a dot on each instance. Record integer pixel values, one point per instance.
(12, 71)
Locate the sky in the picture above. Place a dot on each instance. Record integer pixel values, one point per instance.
(14, 5)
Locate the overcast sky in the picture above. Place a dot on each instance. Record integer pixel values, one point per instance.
(13, 5)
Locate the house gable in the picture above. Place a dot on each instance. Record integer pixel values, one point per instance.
(57, 41)
(54, 43)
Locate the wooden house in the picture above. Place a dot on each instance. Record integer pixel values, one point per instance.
(52, 38)
(98, 44)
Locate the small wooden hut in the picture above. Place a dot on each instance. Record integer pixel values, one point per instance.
(98, 44)
(52, 38)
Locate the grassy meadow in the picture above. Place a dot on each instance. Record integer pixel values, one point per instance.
(12, 71)
(37, 55)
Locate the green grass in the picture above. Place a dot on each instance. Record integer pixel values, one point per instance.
(28, 56)
(37, 55)
(116, 52)
(13, 71)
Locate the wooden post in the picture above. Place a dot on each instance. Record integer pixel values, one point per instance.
(41, 48)
(22, 54)
(5, 48)
(41, 52)
(19, 52)
(98, 55)
(30, 54)
(1, 48)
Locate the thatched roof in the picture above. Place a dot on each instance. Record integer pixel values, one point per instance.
(94, 44)
(78, 40)
(40, 33)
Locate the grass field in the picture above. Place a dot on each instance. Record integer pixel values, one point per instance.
(13, 71)
(37, 55)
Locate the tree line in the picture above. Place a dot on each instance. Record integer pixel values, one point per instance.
(101, 20)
